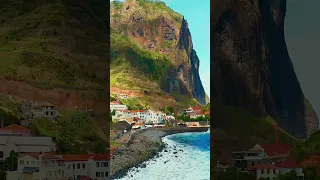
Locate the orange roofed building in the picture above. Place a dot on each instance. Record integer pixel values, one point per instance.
(15, 129)
(63, 167)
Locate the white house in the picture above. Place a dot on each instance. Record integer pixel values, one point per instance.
(34, 110)
(22, 144)
(271, 171)
(39, 166)
(154, 117)
(116, 105)
(123, 96)
(95, 166)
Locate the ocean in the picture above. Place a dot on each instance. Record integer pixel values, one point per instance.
(186, 157)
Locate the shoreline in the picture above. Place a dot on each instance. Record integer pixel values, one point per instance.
(142, 147)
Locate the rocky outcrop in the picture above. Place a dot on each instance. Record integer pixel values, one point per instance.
(252, 68)
(166, 32)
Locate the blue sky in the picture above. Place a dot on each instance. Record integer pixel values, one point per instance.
(197, 13)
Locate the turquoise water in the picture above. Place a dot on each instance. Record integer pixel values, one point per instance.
(186, 157)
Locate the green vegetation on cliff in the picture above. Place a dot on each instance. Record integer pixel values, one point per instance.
(138, 62)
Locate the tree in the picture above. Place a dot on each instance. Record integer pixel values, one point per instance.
(170, 109)
(10, 162)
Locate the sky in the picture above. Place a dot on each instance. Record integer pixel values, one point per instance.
(302, 27)
(197, 13)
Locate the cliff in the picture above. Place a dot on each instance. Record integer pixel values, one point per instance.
(252, 68)
(158, 50)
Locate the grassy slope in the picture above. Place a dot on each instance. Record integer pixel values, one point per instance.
(135, 68)
(245, 128)
(49, 47)
(62, 44)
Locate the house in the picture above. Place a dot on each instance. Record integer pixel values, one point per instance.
(95, 166)
(23, 144)
(138, 114)
(138, 126)
(264, 153)
(15, 129)
(116, 105)
(35, 110)
(123, 96)
(271, 171)
(193, 124)
(154, 117)
(122, 126)
(39, 166)
(128, 120)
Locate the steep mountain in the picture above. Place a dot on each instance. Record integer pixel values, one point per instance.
(56, 51)
(152, 53)
(252, 68)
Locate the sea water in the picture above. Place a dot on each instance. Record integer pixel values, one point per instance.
(186, 157)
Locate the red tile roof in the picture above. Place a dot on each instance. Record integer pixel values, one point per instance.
(115, 102)
(196, 108)
(86, 157)
(289, 163)
(101, 157)
(15, 128)
(276, 149)
(76, 157)
(135, 111)
(264, 166)
(46, 155)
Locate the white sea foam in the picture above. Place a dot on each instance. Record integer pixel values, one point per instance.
(188, 163)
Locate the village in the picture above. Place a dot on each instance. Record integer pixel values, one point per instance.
(264, 162)
(25, 156)
(128, 122)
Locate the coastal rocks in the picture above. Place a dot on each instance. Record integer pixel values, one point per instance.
(148, 145)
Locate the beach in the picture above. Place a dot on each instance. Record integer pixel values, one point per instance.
(142, 146)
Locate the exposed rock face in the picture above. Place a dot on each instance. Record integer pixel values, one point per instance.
(252, 68)
(167, 32)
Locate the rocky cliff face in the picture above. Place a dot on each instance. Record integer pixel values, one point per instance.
(155, 27)
(252, 68)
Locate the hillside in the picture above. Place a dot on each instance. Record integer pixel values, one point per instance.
(152, 54)
(56, 51)
(253, 70)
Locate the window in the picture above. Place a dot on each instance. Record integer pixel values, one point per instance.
(274, 171)
(262, 171)
(1, 154)
(32, 162)
(97, 174)
(268, 171)
(78, 165)
(69, 167)
(83, 166)
(55, 173)
(74, 166)
(102, 174)
(106, 174)
(22, 162)
(97, 164)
